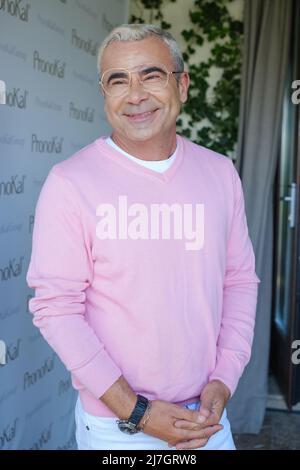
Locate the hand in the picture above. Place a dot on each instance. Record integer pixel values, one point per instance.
(214, 397)
(161, 421)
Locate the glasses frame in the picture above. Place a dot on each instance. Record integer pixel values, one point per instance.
(130, 72)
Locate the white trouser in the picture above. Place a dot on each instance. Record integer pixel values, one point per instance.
(102, 433)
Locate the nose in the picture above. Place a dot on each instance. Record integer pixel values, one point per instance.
(136, 91)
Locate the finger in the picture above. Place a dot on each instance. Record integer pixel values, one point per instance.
(193, 444)
(171, 444)
(204, 415)
(205, 411)
(212, 419)
(206, 433)
(204, 436)
(211, 407)
(183, 424)
(189, 415)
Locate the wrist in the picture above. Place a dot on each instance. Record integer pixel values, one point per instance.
(227, 391)
(132, 424)
(120, 398)
(128, 409)
(146, 417)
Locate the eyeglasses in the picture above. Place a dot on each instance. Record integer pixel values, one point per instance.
(152, 77)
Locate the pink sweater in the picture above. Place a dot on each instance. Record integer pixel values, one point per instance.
(167, 297)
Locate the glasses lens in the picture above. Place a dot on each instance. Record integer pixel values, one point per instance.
(152, 77)
(115, 81)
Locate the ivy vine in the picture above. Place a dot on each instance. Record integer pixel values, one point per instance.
(210, 116)
(150, 11)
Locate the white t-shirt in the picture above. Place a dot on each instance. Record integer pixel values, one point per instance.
(158, 165)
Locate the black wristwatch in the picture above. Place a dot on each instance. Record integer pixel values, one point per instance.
(130, 425)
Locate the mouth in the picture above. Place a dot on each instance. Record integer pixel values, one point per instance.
(140, 117)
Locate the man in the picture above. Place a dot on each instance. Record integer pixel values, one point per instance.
(142, 264)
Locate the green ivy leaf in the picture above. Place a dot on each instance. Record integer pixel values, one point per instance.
(211, 22)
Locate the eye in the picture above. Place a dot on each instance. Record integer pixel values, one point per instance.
(153, 76)
(118, 81)
(117, 78)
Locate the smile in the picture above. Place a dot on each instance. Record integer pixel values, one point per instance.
(138, 117)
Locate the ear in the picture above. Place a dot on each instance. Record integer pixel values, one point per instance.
(183, 86)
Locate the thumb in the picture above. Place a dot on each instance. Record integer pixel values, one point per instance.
(197, 416)
(206, 408)
(190, 415)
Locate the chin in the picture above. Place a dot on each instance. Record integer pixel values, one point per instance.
(140, 137)
(144, 134)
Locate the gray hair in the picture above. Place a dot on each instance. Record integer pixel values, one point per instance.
(137, 32)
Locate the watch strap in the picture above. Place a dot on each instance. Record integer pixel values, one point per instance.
(139, 410)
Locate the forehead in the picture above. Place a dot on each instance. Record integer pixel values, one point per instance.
(130, 54)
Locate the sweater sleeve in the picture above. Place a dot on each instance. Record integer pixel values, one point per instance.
(240, 290)
(60, 270)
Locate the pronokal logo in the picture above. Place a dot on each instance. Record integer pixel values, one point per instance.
(13, 351)
(31, 378)
(43, 438)
(8, 312)
(15, 185)
(17, 98)
(55, 69)
(10, 139)
(13, 269)
(8, 433)
(64, 386)
(86, 45)
(9, 227)
(16, 8)
(54, 145)
(164, 221)
(70, 444)
(85, 115)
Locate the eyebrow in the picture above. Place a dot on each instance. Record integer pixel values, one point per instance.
(116, 75)
(121, 74)
(152, 69)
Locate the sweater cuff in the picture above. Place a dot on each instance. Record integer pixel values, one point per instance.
(225, 374)
(99, 374)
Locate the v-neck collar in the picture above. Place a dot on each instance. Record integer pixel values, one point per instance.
(166, 176)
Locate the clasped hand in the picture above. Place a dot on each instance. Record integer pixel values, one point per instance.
(189, 429)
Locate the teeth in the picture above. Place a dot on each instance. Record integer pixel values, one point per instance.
(140, 114)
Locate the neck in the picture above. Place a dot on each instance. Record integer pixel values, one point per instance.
(147, 150)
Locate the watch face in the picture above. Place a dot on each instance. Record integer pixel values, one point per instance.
(127, 427)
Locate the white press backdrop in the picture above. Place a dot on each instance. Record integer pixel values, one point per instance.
(53, 108)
